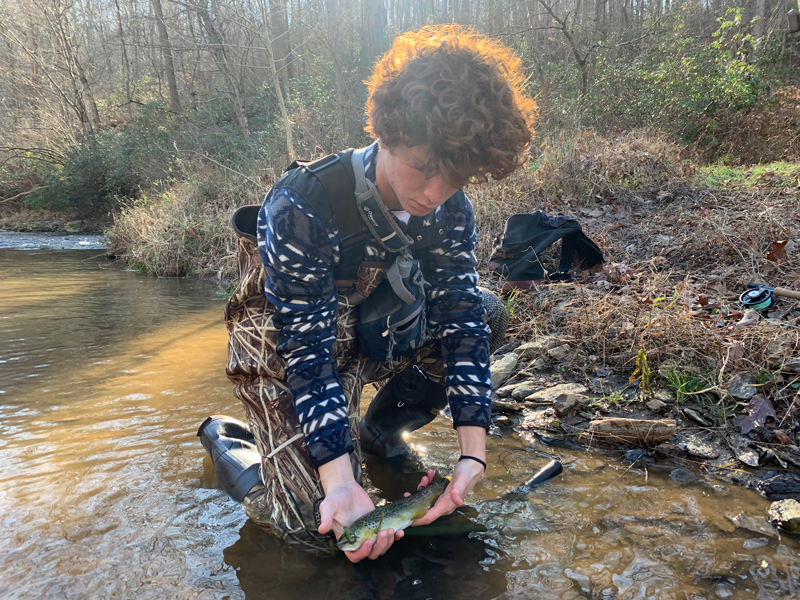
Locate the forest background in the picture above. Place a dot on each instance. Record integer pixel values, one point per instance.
(161, 116)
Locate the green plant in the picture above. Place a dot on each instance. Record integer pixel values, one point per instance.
(686, 385)
(642, 371)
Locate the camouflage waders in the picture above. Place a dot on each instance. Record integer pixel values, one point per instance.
(291, 481)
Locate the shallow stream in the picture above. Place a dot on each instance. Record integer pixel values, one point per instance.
(105, 491)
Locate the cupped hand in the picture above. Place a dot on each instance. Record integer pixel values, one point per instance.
(466, 475)
(342, 506)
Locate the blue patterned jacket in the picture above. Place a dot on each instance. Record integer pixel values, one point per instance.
(299, 253)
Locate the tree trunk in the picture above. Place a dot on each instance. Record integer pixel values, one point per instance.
(279, 26)
(166, 53)
(218, 48)
(273, 68)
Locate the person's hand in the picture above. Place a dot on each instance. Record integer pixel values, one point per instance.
(466, 475)
(345, 501)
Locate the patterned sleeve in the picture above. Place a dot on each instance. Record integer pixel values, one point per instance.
(456, 316)
(298, 253)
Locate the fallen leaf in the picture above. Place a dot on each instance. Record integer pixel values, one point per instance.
(720, 287)
(759, 409)
(751, 317)
(778, 251)
(782, 437)
(768, 269)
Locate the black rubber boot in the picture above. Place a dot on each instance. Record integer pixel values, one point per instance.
(234, 454)
(407, 402)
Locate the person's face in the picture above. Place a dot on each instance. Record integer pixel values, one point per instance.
(402, 182)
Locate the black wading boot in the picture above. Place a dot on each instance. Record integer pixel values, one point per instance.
(234, 454)
(405, 403)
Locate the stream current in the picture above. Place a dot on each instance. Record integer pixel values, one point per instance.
(105, 491)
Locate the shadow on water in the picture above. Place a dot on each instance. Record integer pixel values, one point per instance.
(419, 568)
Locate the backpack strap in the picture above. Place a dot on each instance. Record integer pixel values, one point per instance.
(335, 173)
(384, 227)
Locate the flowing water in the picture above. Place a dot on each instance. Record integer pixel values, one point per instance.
(105, 491)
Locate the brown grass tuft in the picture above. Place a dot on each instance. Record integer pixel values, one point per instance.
(188, 230)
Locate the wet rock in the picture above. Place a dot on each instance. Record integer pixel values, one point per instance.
(746, 455)
(524, 390)
(503, 422)
(779, 485)
(697, 417)
(749, 523)
(741, 386)
(502, 369)
(535, 349)
(682, 475)
(656, 405)
(785, 514)
(702, 449)
(754, 543)
(549, 395)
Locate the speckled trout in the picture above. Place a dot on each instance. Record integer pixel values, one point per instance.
(395, 515)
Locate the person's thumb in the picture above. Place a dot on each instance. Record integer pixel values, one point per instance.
(325, 518)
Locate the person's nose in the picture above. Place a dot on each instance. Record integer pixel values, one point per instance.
(437, 191)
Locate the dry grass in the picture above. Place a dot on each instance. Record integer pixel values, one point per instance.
(678, 257)
(186, 231)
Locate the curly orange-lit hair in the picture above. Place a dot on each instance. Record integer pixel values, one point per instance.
(459, 92)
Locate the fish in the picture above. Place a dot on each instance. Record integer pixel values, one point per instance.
(395, 515)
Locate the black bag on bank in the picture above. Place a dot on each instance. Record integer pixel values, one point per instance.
(527, 235)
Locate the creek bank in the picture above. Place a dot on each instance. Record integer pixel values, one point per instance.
(22, 219)
(737, 438)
